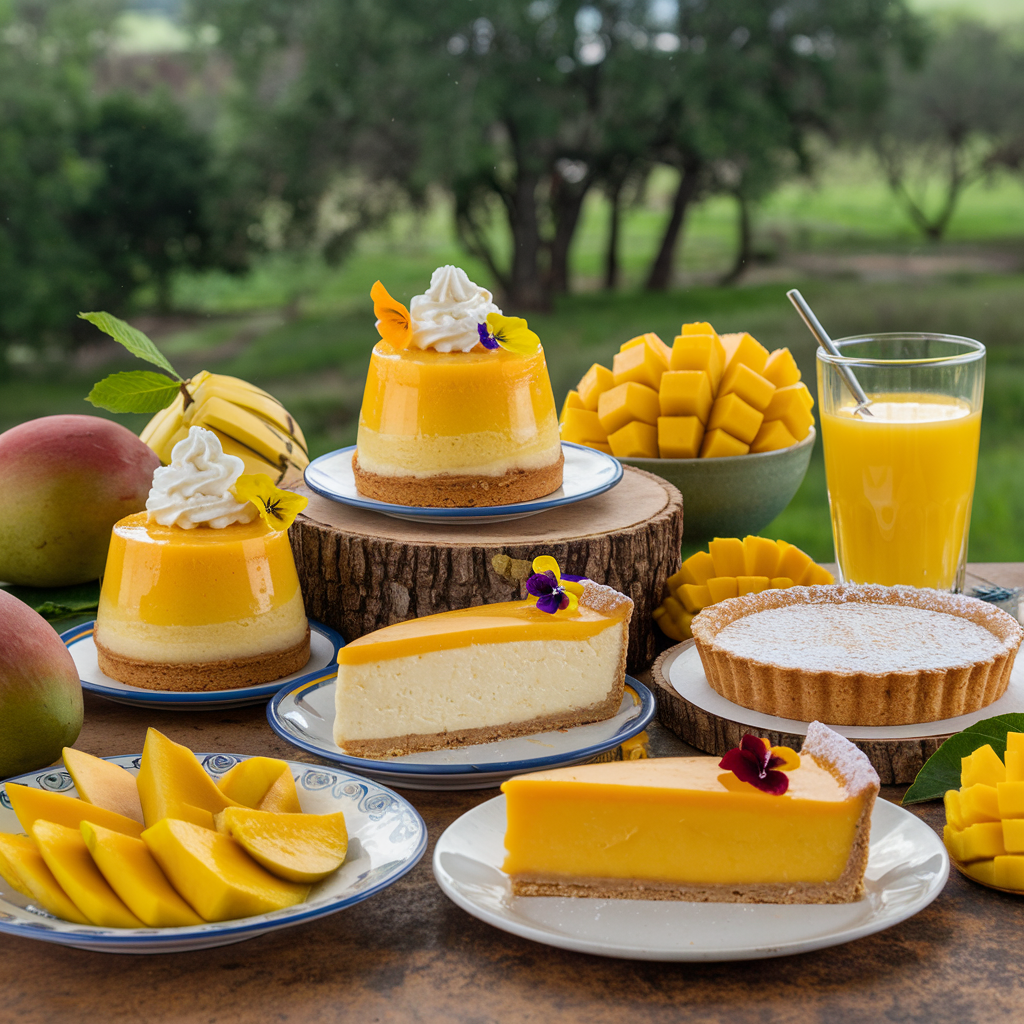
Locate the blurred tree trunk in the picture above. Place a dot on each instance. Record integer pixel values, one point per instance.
(526, 288)
(744, 242)
(566, 206)
(659, 277)
(611, 254)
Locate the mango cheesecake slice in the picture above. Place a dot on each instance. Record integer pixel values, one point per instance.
(484, 673)
(688, 829)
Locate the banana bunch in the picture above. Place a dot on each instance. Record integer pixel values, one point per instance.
(250, 423)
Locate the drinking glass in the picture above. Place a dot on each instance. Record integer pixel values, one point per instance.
(901, 480)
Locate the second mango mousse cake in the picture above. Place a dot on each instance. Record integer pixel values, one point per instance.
(761, 825)
(458, 409)
(553, 661)
(200, 591)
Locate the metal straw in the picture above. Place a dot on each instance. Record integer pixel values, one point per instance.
(808, 317)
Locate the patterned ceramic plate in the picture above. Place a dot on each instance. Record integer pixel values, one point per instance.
(386, 839)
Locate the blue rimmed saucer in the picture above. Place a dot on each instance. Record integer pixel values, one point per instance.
(324, 644)
(304, 715)
(386, 839)
(587, 473)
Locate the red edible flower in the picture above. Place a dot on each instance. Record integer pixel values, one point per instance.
(754, 761)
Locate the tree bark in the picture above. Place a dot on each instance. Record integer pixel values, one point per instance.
(744, 243)
(660, 275)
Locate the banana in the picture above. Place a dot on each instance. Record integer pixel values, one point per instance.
(251, 424)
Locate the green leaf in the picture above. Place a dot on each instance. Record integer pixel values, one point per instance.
(134, 391)
(134, 340)
(59, 602)
(942, 770)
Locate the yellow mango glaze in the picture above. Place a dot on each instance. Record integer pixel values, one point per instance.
(174, 595)
(504, 622)
(476, 413)
(677, 820)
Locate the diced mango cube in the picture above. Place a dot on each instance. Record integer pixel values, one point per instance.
(599, 446)
(983, 871)
(668, 625)
(741, 380)
(781, 368)
(982, 766)
(782, 583)
(594, 383)
(751, 584)
(952, 803)
(722, 588)
(978, 803)
(694, 598)
(816, 576)
(742, 348)
(650, 338)
(1014, 765)
(719, 444)
(1013, 835)
(760, 556)
(1010, 795)
(806, 397)
(738, 418)
(793, 562)
(626, 402)
(572, 401)
(642, 364)
(679, 437)
(772, 437)
(699, 352)
(1009, 872)
(673, 607)
(582, 425)
(635, 440)
(728, 556)
(788, 405)
(953, 839)
(1015, 742)
(676, 580)
(982, 841)
(686, 393)
(697, 327)
(698, 568)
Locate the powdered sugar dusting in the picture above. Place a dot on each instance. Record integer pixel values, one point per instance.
(845, 761)
(603, 599)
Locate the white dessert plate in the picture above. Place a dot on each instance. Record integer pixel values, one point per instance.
(304, 715)
(683, 669)
(907, 868)
(324, 644)
(386, 839)
(587, 472)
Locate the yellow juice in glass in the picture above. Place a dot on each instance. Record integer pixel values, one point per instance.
(900, 485)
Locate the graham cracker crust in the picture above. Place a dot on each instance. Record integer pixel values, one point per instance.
(450, 490)
(202, 676)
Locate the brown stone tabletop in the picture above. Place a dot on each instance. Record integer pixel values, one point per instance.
(409, 954)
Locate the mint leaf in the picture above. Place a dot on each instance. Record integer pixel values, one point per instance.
(942, 770)
(134, 340)
(134, 391)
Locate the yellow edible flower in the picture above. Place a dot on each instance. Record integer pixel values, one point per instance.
(277, 508)
(513, 334)
(393, 319)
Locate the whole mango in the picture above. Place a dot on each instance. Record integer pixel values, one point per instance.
(66, 481)
(40, 692)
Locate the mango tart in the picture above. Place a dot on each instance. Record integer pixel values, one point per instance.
(763, 825)
(552, 661)
(858, 654)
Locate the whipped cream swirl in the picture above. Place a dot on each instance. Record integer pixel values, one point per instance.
(445, 317)
(195, 489)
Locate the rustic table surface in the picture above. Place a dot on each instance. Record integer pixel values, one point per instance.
(409, 954)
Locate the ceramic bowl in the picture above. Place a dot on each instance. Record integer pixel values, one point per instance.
(731, 497)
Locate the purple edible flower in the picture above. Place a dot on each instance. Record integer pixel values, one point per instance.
(486, 338)
(550, 596)
(752, 761)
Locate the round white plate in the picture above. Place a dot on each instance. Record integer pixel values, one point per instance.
(587, 472)
(304, 715)
(386, 839)
(907, 868)
(324, 644)
(683, 669)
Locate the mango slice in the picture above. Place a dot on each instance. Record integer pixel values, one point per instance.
(17, 845)
(36, 879)
(30, 805)
(282, 797)
(66, 855)
(215, 875)
(103, 783)
(170, 776)
(135, 876)
(298, 847)
(252, 781)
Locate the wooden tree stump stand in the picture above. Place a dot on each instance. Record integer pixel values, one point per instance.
(361, 570)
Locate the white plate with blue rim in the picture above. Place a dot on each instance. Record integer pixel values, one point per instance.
(324, 644)
(386, 839)
(304, 715)
(587, 473)
(907, 868)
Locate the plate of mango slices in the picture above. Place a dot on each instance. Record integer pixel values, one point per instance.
(170, 851)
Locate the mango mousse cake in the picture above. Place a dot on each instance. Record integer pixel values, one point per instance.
(555, 660)
(458, 409)
(763, 825)
(200, 592)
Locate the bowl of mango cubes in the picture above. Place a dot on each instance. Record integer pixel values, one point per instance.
(719, 416)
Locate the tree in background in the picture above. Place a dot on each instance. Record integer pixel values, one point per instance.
(950, 122)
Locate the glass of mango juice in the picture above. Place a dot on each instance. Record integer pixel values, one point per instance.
(901, 480)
